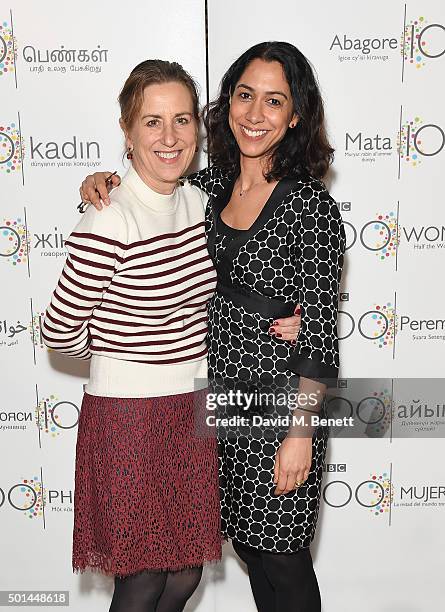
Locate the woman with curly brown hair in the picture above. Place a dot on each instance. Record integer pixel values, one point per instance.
(276, 239)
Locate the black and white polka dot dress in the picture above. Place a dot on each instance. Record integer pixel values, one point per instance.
(292, 254)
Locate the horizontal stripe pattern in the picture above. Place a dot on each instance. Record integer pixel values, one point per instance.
(141, 300)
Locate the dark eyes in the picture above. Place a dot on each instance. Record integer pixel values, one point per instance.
(244, 95)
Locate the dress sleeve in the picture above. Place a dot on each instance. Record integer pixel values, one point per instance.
(208, 179)
(319, 251)
(94, 256)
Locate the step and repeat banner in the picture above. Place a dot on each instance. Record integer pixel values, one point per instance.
(380, 541)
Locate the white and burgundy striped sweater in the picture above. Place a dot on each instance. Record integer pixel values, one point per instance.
(133, 292)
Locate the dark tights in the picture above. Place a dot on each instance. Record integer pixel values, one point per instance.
(155, 591)
(281, 582)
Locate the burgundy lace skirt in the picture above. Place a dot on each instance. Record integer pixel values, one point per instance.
(146, 490)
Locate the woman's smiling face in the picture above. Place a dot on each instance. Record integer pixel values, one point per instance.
(163, 136)
(261, 108)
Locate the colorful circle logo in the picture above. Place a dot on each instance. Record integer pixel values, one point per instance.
(7, 148)
(3, 49)
(10, 148)
(7, 50)
(14, 243)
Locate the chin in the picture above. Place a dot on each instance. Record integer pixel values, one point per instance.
(170, 178)
(253, 152)
(169, 173)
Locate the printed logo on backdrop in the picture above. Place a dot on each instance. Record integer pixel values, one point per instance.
(418, 141)
(14, 241)
(421, 42)
(391, 408)
(48, 244)
(383, 235)
(379, 236)
(421, 415)
(11, 148)
(374, 494)
(7, 49)
(74, 151)
(424, 238)
(368, 148)
(34, 500)
(378, 325)
(15, 420)
(422, 330)
(381, 325)
(26, 496)
(38, 60)
(372, 411)
(35, 329)
(65, 60)
(19, 243)
(54, 416)
(352, 49)
(22, 331)
(419, 496)
(14, 332)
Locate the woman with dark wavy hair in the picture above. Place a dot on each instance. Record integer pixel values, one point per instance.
(306, 149)
(276, 239)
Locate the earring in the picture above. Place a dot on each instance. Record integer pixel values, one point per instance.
(196, 149)
(129, 153)
(292, 125)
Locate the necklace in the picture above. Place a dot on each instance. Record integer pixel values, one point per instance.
(243, 191)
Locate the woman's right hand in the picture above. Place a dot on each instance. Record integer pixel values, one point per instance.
(94, 189)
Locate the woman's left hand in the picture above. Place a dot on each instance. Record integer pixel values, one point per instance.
(288, 328)
(292, 464)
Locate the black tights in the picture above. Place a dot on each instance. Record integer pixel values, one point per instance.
(281, 582)
(155, 591)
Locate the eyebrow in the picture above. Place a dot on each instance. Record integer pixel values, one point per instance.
(269, 93)
(160, 116)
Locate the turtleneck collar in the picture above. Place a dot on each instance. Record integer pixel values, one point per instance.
(158, 202)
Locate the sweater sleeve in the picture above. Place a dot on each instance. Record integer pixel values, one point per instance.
(320, 246)
(95, 252)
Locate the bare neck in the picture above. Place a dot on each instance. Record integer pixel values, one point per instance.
(251, 171)
(162, 187)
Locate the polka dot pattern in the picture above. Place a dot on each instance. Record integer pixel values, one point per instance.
(295, 256)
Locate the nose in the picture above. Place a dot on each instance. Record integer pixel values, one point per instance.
(169, 137)
(255, 112)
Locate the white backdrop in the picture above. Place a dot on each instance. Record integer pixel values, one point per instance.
(380, 542)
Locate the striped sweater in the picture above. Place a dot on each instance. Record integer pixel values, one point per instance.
(135, 286)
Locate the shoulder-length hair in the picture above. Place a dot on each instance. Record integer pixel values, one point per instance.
(303, 148)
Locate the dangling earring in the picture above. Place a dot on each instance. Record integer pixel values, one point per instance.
(129, 153)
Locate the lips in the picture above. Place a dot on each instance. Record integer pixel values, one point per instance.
(168, 157)
(253, 134)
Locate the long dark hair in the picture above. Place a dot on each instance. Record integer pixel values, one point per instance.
(303, 148)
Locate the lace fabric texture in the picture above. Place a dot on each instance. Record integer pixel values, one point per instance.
(146, 487)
